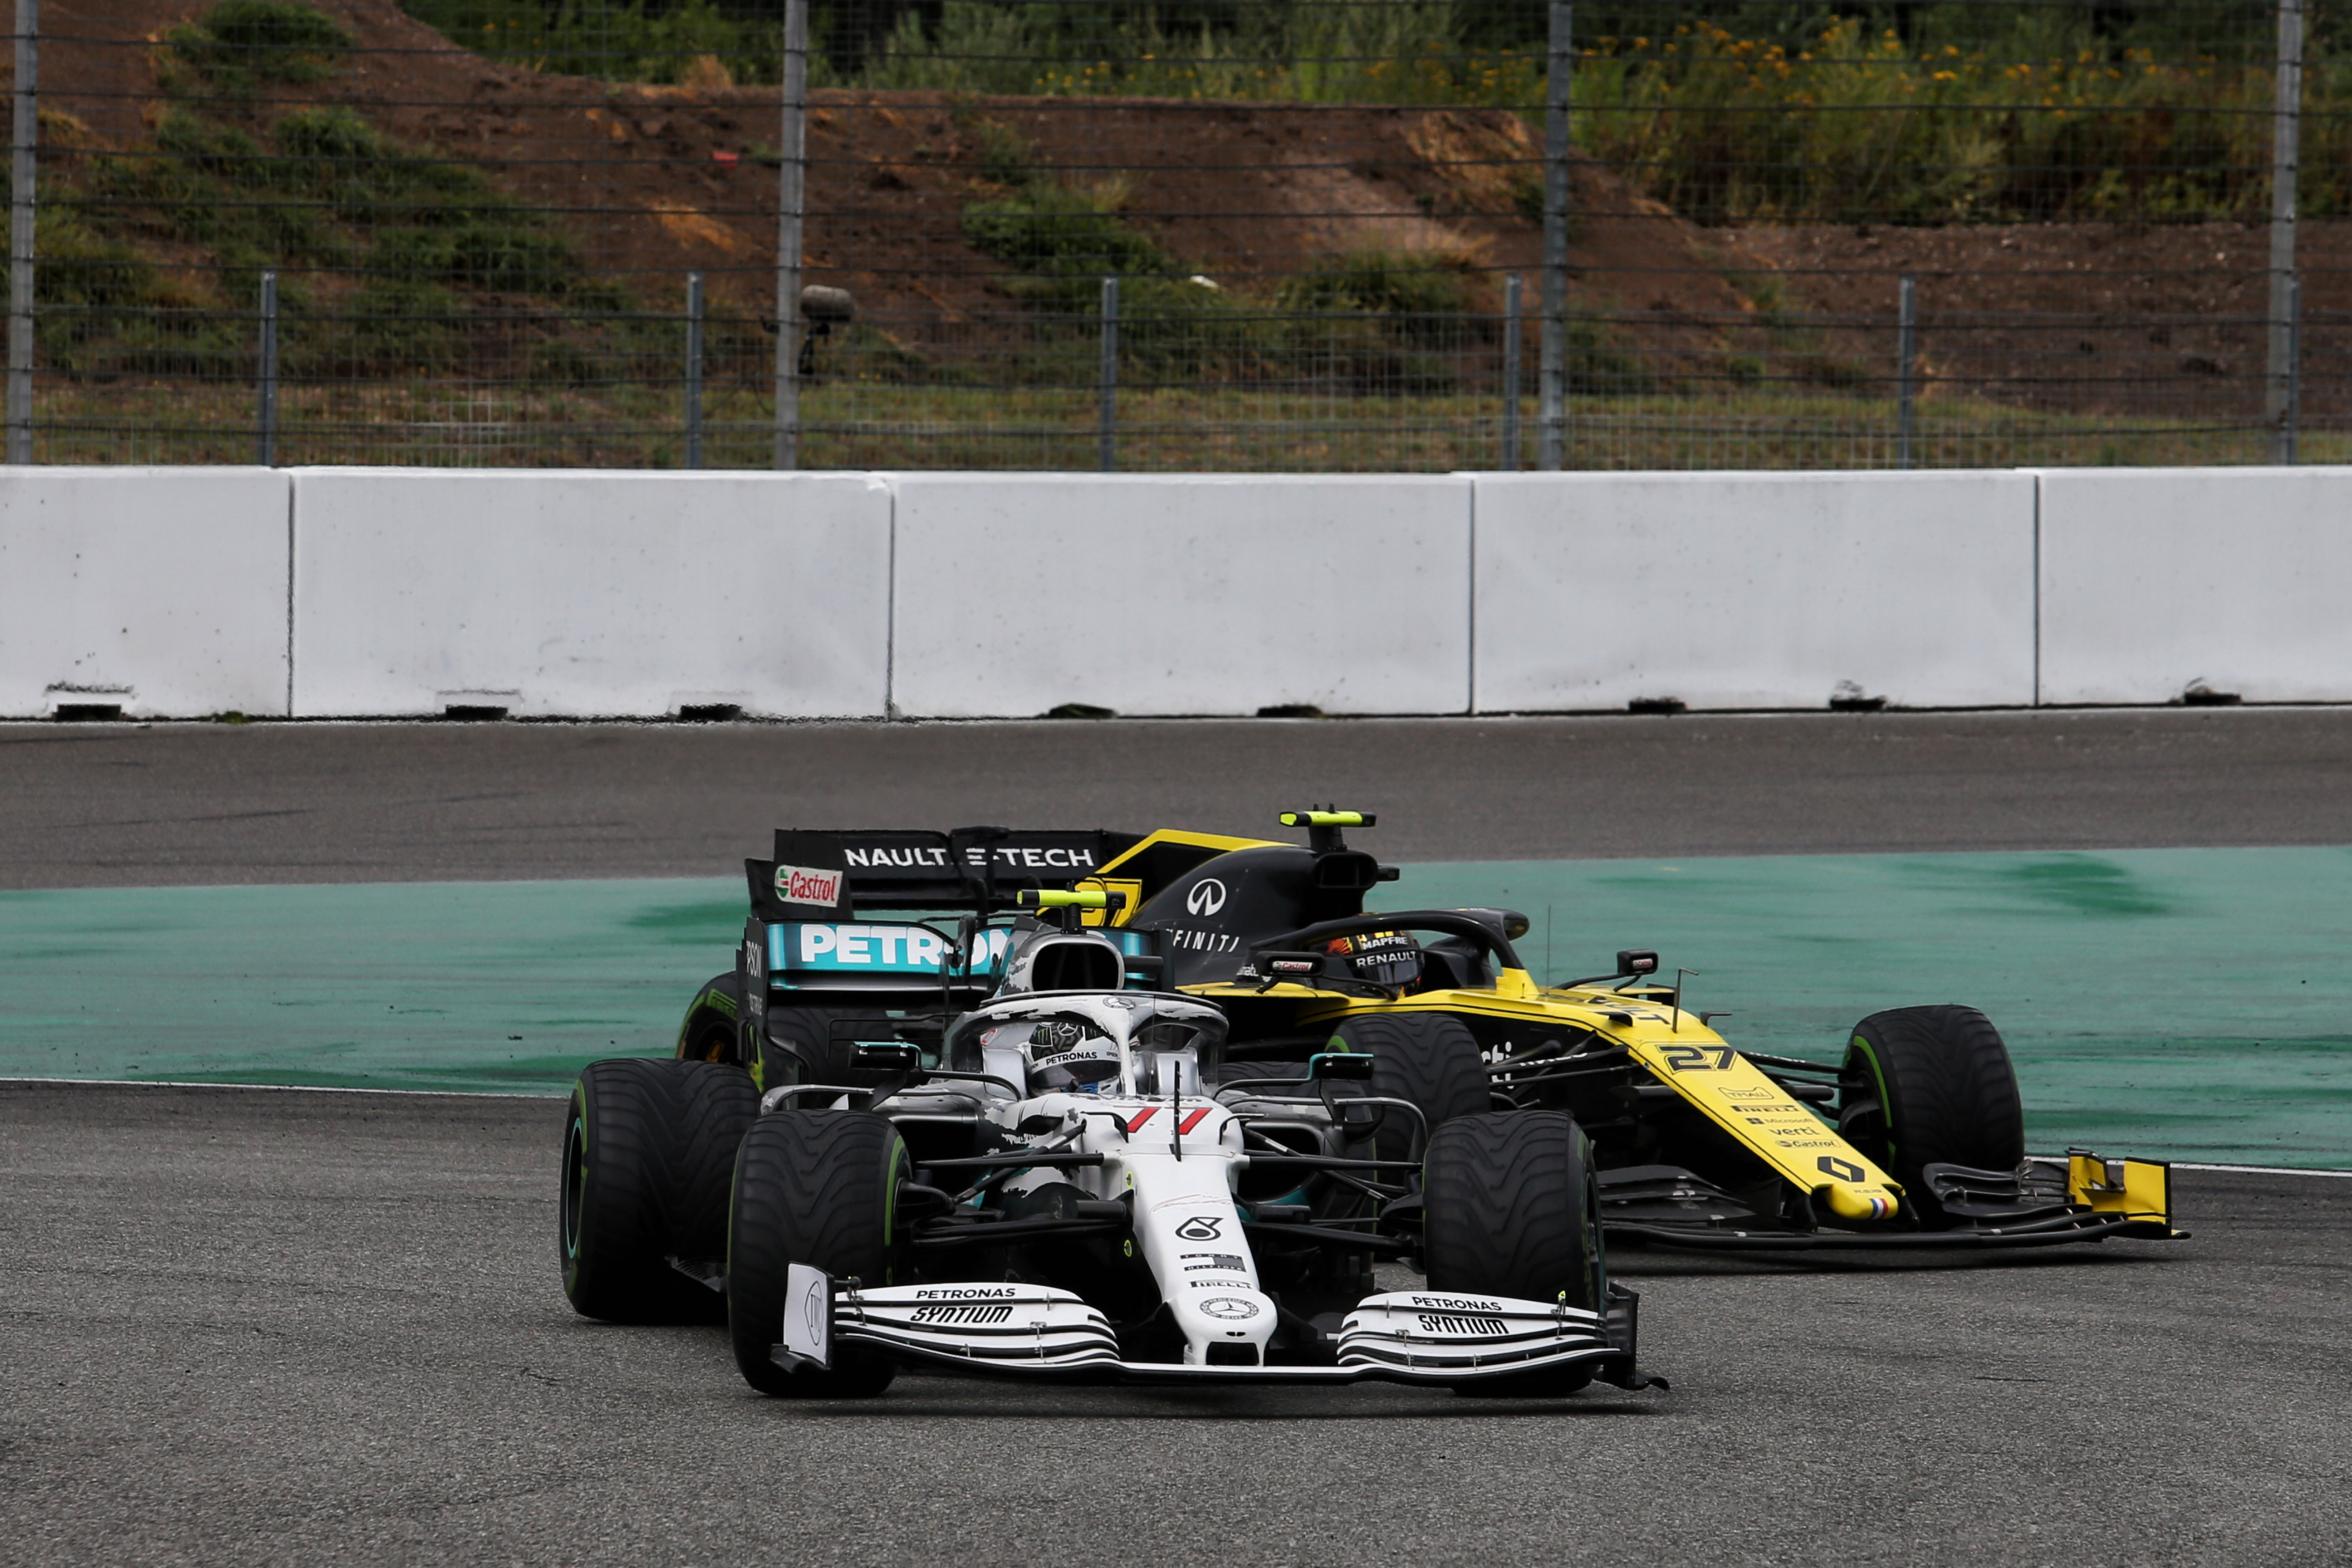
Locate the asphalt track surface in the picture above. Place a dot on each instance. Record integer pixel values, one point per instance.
(251, 1325)
(301, 1327)
(108, 804)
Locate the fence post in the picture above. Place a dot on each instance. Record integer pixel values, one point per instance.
(21, 195)
(694, 369)
(1107, 411)
(1551, 400)
(268, 409)
(2291, 427)
(1510, 371)
(2286, 163)
(792, 181)
(1906, 359)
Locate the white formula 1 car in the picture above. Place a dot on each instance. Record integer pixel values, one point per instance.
(1078, 1187)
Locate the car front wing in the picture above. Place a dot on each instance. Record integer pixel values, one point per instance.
(1442, 1338)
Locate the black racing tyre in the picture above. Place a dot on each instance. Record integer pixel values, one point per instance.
(1428, 1059)
(1511, 1208)
(818, 1188)
(806, 1034)
(712, 1027)
(648, 1150)
(1924, 1086)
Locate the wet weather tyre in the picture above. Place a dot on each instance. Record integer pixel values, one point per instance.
(1511, 1208)
(713, 1031)
(1426, 1057)
(1924, 1086)
(800, 1047)
(648, 1151)
(818, 1188)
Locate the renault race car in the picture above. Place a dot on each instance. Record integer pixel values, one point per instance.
(1074, 1183)
(1914, 1136)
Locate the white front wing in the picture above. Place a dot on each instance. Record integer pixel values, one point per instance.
(1404, 1336)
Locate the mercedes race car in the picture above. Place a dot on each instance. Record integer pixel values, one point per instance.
(1075, 1184)
(1912, 1137)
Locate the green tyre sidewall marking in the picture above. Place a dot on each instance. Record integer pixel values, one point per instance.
(1862, 1048)
(575, 1186)
(893, 1172)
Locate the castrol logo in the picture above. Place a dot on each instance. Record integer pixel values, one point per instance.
(802, 885)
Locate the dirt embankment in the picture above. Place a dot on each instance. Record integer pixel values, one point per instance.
(655, 180)
(658, 180)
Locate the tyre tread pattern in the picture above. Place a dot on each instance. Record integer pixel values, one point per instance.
(817, 1187)
(1504, 1203)
(1429, 1058)
(661, 1136)
(1951, 1091)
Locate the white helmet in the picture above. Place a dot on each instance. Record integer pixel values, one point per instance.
(1063, 961)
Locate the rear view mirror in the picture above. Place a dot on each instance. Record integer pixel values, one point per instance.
(1340, 1066)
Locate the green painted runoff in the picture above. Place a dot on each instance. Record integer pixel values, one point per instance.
(2192, 1004)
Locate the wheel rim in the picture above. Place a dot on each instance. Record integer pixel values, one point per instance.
(575, 1182)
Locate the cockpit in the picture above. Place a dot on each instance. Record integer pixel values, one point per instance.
(1109, 1043)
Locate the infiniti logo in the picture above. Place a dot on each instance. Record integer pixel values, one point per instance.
(1207, 897)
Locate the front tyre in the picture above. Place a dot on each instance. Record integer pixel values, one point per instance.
(1924, 1086)
(1511, 1208)
(818, 1188)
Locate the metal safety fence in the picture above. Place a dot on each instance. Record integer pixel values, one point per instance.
(1369, 234)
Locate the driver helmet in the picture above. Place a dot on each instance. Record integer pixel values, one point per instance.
(1380, 957)
(1070, 1054)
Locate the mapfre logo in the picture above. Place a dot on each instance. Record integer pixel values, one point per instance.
(1207, 897)
(801, 885)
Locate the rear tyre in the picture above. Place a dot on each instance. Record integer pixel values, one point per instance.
(1511, 1208)
(1428, 1059)
(1924, 1086)
(649, 1148)
(712, 1029)
(818, 1188)
(800, 1047)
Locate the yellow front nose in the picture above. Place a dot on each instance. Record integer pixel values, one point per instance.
(1850, 1202)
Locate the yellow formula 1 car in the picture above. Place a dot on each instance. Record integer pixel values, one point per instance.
(1915, 1138)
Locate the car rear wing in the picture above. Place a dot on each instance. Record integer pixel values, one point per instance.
(834, 874)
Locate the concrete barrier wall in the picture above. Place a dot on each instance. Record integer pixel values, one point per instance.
(2157, 579)
(179, 593)
(582, 593)
(160, 590)
(1754, 590)
(1172, 593)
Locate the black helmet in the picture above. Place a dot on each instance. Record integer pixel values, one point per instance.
(1380, 957)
